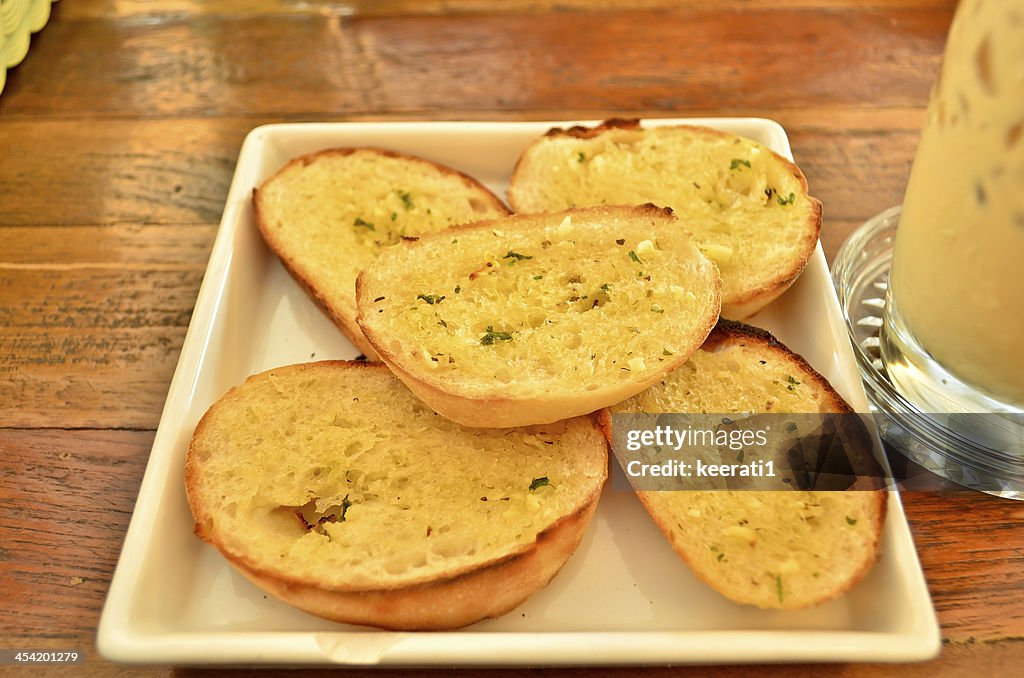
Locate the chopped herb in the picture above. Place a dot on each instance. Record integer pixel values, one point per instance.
(441, 322)
(778, 587)
(580, 157)
(620, 241)
(515, 256)
(539, 482)
(407, 199)
(763, 362)
(791, 427)
(787, 201)
(345, 504)
(792, 383)
(667, 352)
(605, 287)
(634, 257)
(736, 162)
(458, 288)
(365, 224)
(430, 298)
(378, 299)
(455, 241)
(537, 277)
(851, 521)
(394, 215)
(721, 556)
(714, 548)
(491, 336)
(656, 309)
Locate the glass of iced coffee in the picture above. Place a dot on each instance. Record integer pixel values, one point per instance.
(933, 293)
(953, 338)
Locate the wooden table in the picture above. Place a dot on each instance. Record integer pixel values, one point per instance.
(118, 136)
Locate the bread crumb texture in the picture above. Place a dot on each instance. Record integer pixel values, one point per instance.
(738, 376)
(769, 549)
(334, 473)
(533, 305)
(747, 207)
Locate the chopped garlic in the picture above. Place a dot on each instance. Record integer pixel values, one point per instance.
(720, 254)
(636, 364)
(565, 228)
(789, 567)
(740, 532)
(646, 248)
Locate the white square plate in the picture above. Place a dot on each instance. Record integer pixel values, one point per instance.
(623, 597)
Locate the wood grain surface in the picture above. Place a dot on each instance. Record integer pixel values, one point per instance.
(118, 138)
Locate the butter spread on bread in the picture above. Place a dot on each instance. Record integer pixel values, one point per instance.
(534, 318)
(746, 206)
(329, 214)
(773, 549)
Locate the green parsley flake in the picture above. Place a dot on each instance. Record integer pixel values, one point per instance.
(365, 224)
(491, 336)
(580, 157)
(539, 482)
(778, 587)
(430, 298)
(406, 199)
(394, 215)
(656, 309)
(736, 162)
(851, 521)
(634, 257)
(515, 256)
(786, 201)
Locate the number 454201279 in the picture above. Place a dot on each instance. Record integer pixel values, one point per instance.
(40, 657)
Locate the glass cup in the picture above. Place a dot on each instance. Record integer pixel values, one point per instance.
(953, 325)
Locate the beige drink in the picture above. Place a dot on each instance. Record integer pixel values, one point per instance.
(957, 282)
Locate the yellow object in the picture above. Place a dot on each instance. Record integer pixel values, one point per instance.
(18, 20)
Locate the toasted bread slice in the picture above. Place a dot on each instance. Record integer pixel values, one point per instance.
(332, 487)
(783, 549)
(535, 318)
(329, 214)
(746, 206)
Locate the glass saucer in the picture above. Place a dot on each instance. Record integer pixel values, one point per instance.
(981, 451)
